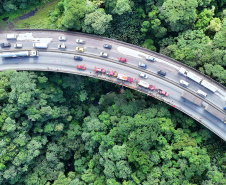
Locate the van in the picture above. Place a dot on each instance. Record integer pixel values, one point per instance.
(40, 45)
(11, 36)
(201, 93)
(184, 83)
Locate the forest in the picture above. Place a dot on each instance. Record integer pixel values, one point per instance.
(61, 129)
(65, 129)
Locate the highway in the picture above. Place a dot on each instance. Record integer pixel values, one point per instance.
(53, 59)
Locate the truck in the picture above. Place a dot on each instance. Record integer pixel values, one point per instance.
(19, 54)
(190, 97)
(144, 84)
(190, 75)
(125, 78)
(40, 45)
(209, 86)
(11, 36)
(216, 113)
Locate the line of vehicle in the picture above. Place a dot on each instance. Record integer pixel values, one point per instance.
(128, 44)
(136, 68)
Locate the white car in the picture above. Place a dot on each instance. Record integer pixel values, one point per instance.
(62, 46)
(184, 83)
(143, 75)
(18, 45)
(103, 54)
(62, 39)
(80, 41)
(150, 58)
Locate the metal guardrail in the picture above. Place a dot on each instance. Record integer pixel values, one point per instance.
(112, 81)
(128, 44)
(130, 66)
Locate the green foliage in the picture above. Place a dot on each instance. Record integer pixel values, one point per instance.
(179, 14)
(122, 6)
(74, 11)
(96, 22)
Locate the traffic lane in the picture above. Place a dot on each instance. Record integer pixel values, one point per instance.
(89, 69)
(54, 45)
(194, 86)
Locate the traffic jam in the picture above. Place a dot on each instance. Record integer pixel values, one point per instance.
(122, 77)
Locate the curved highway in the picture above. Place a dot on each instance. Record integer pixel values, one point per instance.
(53, 59)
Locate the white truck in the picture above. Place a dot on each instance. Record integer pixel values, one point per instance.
(40, 45)
(190, 75)
(19, 54)
(11, 36)
(209, 86)
(144, 84)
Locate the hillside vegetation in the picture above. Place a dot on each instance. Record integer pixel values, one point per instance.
(60, 129)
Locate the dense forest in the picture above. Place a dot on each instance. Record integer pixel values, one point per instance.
(69, 130)
(60, 129)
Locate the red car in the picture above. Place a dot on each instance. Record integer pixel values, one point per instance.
(111, 73)
(164, 93)
(101, 70)
(130, 79)
(81, 67)
(120, 59)
(152, 87)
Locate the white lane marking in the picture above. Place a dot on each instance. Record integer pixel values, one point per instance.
(29, 37)
(138, 54)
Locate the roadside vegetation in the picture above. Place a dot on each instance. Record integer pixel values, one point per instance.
(60, 129)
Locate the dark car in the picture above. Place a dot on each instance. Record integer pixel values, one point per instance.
(161, 73)
(4, 45)
(76, 57)
(107, 46)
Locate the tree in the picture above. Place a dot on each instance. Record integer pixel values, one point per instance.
(74, 12)
(204, 18)
(215, 25)
(96, 22)
(122, 6)
(180, 14)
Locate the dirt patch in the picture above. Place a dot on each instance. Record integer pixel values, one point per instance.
(27, 15)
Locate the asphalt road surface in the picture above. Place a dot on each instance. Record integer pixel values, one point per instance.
(53, 59)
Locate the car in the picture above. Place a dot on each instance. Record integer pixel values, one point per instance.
(120, 59)
(80, 49)
(80, 41)
(101, 70)
(143, 75)
(76, 57)
(62, 38)
(164, 93)
(103, 54)
(225, 108)
(150, 58)
(107, 46)
(18, 45)
(62, 46)
(83, 67)
(143, 65)
(184, 83)
(4, 45)
(115, 74)
(201, 93)
(129, 79)
(152, 87)
(161, 73)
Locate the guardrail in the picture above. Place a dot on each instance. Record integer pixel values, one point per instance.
(128, 44)
(132, 67)
(112, 81)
